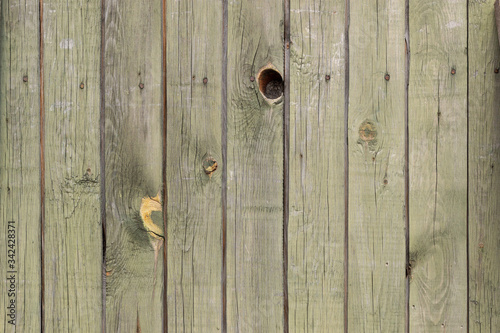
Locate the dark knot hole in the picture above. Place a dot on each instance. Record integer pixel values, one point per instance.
(270, 83)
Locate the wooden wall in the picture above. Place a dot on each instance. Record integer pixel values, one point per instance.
(150, 181)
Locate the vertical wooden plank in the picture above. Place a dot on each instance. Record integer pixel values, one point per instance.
(317, 212)
(376, 125)
(484, 180)
(437, 121)
(20, 167)
(133, 157)
(255, 170)
(194, 163)
(73, 237)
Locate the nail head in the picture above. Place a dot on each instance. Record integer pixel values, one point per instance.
(252, 78)
(387, 77)
(25, 78)
(453, 71)
(205, 80)
(82, 85)
(327, 77)
(141, 85)
(496, 70)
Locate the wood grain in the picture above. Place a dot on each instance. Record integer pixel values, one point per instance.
(317, 214)
(20, 165)
(73, 237)
(255, 171)
(133, 157)
(437, 124)
(194, 165)
(484, 180)
(376, 124)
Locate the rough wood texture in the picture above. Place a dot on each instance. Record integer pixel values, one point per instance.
(20, 164)
(255, 171)
(484, 159)
(133, 166)
(438, 166)
(316, 225)
(194, 163)
(73, 237)
(376, 292)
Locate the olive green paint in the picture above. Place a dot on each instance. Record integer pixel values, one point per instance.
(254, 170)
(484, 158)
(376, 125)
(20, 162)
(72, 227)
(133, 157)
(450, 55)
(437, 122)
(317, 214)
(194, 253)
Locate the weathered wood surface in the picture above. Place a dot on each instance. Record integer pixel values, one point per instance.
(255, 171)
(133, 157)
(376, 125)
(484, 180)
(72, 227)
(20, 165)
(453, 152)
(194, 164)
(317, 214)
(437, 124)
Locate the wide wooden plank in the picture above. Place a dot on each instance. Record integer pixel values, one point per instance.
(133, 162)
(73, 233)
(317, 211)
(20, 246)
(437, 123)
(254, 168)
(376, 121)
(484, 179)
(194, 163)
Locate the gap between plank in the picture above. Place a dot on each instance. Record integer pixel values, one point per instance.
(102, 127)
(346, 167)
(406, 170)
(164, 161)
(467, 196)
(286, 160)
(42, 174)
(224, 164)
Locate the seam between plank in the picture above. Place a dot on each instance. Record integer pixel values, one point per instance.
(42, 174)
(467, 196)
(406, 169)
(164, 164)
(286, 160)
(224, 164)
(346, 167)
(102, 128)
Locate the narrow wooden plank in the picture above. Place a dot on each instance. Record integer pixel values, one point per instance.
(19, 167)
(73, 237)
(255, 170)
(376, 124)
(484, 180)
(437, 121)
(133, 157)
(194, 163)
(317, 214)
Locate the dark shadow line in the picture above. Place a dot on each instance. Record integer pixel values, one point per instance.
(468, 188)
(286, 161)
(102, 127)
(224, 164)
(42, 174)
(406, 170)
(346, 166)
(164, 163)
